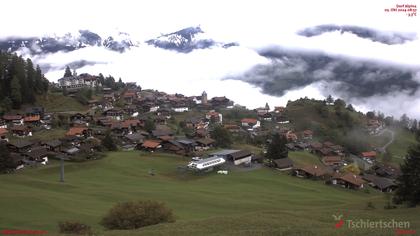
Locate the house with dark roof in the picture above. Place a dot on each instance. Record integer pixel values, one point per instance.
(20, 146)
(380, 183)
(188, 144)
(162, 132)
(13, 119)
(134, 138)
(53, 145)
(34, 111)
(387, 170)
(349, 180)
(114, 113)
(312, 171)
(332, 161)
(175, 147)
(38, 154)
(205, 143)
(21, 130)
(283, 164)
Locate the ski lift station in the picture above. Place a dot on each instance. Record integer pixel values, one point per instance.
(207, 164)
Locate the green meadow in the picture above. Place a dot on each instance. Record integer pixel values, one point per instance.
(258, 202)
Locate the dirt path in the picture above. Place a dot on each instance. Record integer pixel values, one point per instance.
(392, 134)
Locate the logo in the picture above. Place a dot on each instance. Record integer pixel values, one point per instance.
(339, 219)
(399, 227)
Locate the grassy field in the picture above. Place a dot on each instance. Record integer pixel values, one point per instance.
(56, 102)
(398, 149)
(44, 135)
(303, 158)
(259, 202)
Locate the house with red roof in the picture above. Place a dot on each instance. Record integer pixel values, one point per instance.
(250, 123)
(151, 145)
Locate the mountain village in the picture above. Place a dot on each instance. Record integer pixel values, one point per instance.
(157, 122)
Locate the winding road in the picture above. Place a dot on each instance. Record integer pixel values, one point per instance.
(383, 148)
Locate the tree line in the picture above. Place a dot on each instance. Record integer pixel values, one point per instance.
(20, 81)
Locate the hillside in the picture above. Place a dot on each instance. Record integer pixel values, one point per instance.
(263, 201)
(57, 102)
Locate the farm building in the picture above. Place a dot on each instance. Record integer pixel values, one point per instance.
(283, 163)
(236, 156)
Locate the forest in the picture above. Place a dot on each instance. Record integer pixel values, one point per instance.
(20, 82)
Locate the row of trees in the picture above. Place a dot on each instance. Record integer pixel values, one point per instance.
(20, 81)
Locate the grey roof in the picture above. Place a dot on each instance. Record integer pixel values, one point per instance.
(380, 182)
(283, 162)
(53, 143)
(224, 152)
(241, 154)
(37, 153)
(160, 132)
(20, 143)
(186, 141)
(176, 143)
(135, 137)
(206, 141)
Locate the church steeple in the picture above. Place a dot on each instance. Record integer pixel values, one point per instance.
(204, 97)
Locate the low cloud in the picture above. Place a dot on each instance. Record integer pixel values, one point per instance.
(385, 37)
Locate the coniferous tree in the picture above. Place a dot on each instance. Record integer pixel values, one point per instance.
(330, 99)
(408, 190)
(26, 81)
(267, 107)
(30, 77)
(414, 126)
(6, 161)
(67, 72)
(277, 148)
(149, 125)
(222, 136)
(108, 142)
(39, 83)
(16, 95)
(6, 105)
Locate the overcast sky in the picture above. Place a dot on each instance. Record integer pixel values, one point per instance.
(254, 24)
(225, 18)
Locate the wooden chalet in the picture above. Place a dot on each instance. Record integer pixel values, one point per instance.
(21, 130)
(349, 180)
(20, 146)
(283, 164)
(151, 145)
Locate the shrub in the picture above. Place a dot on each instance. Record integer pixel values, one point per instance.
(74, 227)
(370, 206)
(137, 214)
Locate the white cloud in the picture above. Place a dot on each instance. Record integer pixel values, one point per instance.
(253, 23)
